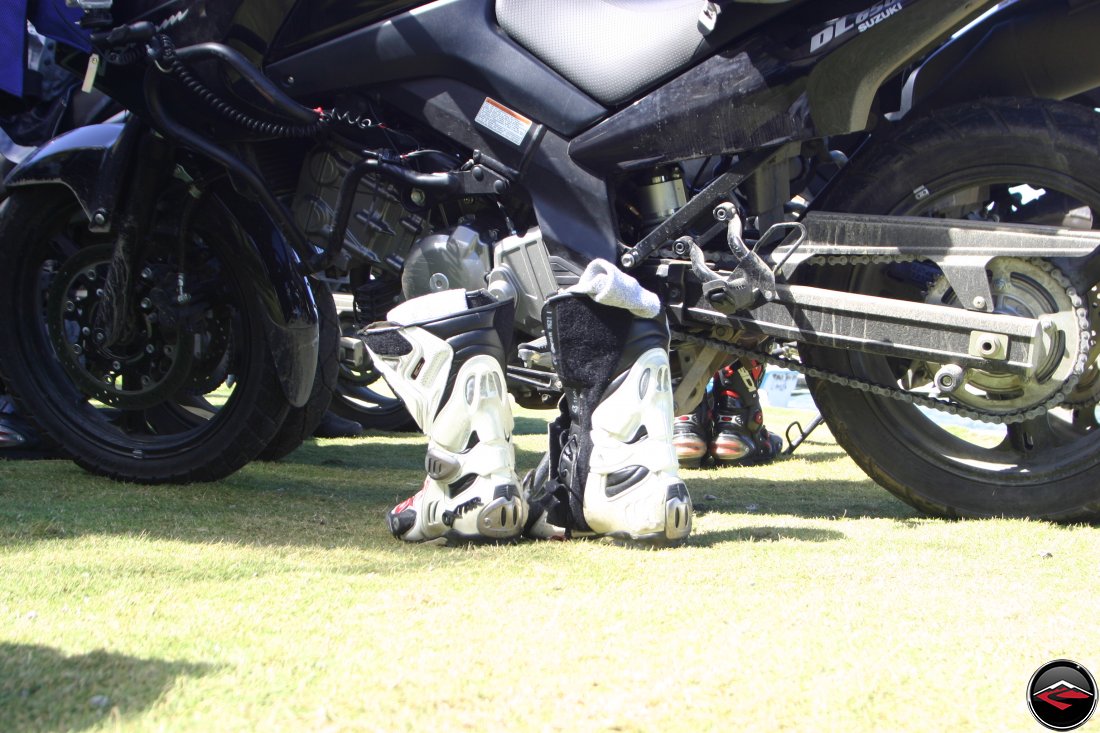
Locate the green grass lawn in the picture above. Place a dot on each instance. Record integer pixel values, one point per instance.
(807, 599)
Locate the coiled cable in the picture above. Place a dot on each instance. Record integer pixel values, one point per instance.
(167, 60)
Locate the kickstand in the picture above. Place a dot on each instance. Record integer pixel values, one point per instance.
(793, 443)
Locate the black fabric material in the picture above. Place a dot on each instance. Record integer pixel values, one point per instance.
(592, 346)
(388, 342)
(586, 345)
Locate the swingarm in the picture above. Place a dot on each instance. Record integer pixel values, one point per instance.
(958, 331)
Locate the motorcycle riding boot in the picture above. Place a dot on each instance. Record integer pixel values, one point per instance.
(690, 435)
(613, 469)
(739, 435)
(443, 354)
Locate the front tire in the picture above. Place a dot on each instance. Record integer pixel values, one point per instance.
(1025, 161)
(191, 394)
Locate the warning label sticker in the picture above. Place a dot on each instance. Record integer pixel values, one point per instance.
(509, 124)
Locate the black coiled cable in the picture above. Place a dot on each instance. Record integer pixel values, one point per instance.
(168, 61)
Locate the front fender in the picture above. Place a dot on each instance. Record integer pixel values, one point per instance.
(93, 162)
(275, 272)
(89, 161)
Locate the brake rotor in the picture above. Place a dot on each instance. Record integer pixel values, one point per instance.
(1027, 289)
(139, 373)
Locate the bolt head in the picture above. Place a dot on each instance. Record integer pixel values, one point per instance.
(979, 302)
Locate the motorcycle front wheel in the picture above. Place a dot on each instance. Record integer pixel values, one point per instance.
(1013, 161)
(188, 393)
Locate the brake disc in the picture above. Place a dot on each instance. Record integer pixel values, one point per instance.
(137, 374)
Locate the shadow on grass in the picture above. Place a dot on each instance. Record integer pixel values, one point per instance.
(764, 534)
(336, 493)
(43, 689)
(391, 455)
(807, 498)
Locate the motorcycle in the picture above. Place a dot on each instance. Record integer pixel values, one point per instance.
(54, 103)
(892, 186)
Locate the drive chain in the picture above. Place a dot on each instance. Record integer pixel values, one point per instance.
(1080, 359)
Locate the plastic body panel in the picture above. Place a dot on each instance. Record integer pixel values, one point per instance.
(764, 92)
(423, 43)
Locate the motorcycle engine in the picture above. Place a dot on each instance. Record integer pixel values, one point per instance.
(381, 230)
(385, 234)
(516, 268)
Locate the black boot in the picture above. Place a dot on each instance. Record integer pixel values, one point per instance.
(613, 469)
(740, 437)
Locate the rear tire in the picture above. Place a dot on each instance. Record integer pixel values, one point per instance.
(970, 161)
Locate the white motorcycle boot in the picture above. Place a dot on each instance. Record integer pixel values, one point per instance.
(613, 467)
(443, 354)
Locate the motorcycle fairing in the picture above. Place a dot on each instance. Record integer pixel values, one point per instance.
(612, 51)
(1030, 48)
(454, 39)
(760, 93)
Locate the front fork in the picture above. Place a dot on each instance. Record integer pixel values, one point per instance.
(116, 318)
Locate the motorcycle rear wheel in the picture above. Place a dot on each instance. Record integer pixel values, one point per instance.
(169, 404)
(1022, 161)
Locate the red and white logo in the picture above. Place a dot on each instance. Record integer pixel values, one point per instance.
(1062, 695)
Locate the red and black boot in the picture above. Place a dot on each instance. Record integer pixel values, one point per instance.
(739, 436)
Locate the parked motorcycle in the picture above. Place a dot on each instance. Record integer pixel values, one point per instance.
(53, 104)
(400, 148)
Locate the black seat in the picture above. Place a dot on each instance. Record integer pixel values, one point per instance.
(611, 49)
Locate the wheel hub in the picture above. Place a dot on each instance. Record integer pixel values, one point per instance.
(1027, 289)
(138, 373)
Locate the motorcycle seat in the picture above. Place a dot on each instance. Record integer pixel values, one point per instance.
(612, 49)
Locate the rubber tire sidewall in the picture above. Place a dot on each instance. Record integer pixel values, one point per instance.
(229, 443)
(1030, 134)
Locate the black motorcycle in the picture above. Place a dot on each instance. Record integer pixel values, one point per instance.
(890, 185)
(54, 103)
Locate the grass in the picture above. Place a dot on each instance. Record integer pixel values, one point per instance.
(807, 599)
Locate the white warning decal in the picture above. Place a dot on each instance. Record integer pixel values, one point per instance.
(509, 124)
